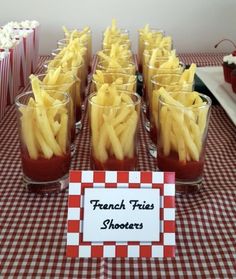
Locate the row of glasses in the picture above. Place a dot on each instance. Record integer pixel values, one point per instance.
(154, 48)
(178, 116)
(47, 116)
(114, 105)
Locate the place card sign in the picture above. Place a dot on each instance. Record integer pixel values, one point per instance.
(121, 214)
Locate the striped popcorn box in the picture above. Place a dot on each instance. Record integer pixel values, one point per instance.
(4, 76)
(14, 81)
(27, 54)
(36, 30)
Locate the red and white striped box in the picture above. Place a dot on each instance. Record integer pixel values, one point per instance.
(35, 48)
(14, 81)
(27, 56)
(4, 77)
(80, 180)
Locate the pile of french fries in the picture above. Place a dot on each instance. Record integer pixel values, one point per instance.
(150, 39)
(114, 117)
(85, 38)
(116, 55)
(156, 65)
(73, 57)
(182, 122)
(113, 34)
(171, 83)
(56, 80)
(45, 124)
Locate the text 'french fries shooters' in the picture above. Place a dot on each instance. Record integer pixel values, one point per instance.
(114, 121)
(44, 132)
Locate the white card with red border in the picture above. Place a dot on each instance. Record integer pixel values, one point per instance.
(121, 214)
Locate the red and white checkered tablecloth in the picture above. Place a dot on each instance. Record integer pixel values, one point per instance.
(33, 227)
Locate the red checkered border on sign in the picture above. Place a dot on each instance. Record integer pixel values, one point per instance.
(79, 180)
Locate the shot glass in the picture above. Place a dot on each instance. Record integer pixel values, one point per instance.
(183, 126)
(142, 38)
(153, 70)
(71, 88)
(114, 133)
(85, 54)
(79, 87)
(44, 135)
(84, 40)
(171, 83)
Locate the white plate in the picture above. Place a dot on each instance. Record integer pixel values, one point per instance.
(213, 78)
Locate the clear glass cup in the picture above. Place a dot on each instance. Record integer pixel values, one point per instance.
(79, 86)
(171, 83)
(114, 133)
(141, 43)
(152, 70)
(86, 55)
(44, 135)
(71, 88)
(127, 82)
(88, 42)
(183, 120)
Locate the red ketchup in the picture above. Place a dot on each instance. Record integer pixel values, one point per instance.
(42, 169)
(190, 170)
(114, 164)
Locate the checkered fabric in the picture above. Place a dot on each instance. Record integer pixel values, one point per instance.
(33, 227)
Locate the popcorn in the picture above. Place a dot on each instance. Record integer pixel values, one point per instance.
(7, 37)
(29, 24)
(7, 42)
(26, 24)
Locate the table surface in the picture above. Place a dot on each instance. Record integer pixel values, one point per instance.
(33, 227)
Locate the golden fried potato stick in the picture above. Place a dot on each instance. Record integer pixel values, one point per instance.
(27, 128)
(115, 143)
(46, 150)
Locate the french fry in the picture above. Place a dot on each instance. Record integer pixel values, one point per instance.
(27, 124)
(179, 145)
(102, 154)
(46, 150)
(115, 143)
